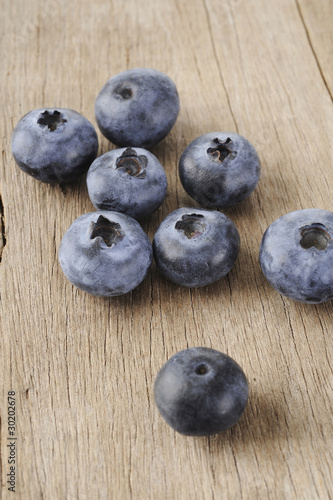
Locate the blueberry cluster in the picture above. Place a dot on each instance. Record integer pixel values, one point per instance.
(106, 252)
(199, 391)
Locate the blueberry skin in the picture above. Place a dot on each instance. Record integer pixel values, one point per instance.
(54, 145)
(200, 391)
(195, 247)
(105, 253)
(219, 169)
(127, 180)
(296, 255)
(138, 107)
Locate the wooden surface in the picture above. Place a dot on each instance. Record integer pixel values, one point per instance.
(83, 367)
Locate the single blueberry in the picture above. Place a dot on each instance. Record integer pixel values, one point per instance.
(130, 181)
(105, 253)
(219, 169)
(296, 255)
(138, 107)
(200, 391)
(195, 247)
(54, 144)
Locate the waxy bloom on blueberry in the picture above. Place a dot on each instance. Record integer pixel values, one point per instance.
(201, 391)
(296, 255)
(195, 247)
(127, 180)
(137, 107)
(219, 169)
(105, 253)
(54, 145)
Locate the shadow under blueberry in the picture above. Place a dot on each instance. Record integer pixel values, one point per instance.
(240, 280)
(266, 418)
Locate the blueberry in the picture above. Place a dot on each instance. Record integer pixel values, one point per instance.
(105, 253)
(296, 255)
(128, 180)
(200, 391)
(195, 247)
(137, 107)
(219, 169)
(54, 145)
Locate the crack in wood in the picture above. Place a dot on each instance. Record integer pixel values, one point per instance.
(217, 63)
(3, 239)
(313, 50)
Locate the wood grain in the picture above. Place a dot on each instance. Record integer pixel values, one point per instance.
(83, 367)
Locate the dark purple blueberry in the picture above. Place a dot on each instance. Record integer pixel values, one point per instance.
(105, 253)
(138, 107)
(296, 255)
(200, 391)
(54, 145)
(127, 180)
(219, 169)
(195, 247)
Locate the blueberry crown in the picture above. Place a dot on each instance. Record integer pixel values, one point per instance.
(51, 120)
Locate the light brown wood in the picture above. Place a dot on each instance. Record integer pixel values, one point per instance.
(83, 367)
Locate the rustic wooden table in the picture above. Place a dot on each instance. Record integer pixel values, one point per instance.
(83, 367)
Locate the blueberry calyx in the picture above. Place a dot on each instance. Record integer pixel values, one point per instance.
(314, 235)
(124, 92)
(51, 120)
(135, 165)
(109, 231)
(201, 369)
(221, 150)
(192, 225)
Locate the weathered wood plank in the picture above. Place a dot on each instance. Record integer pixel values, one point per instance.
(83, 367)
